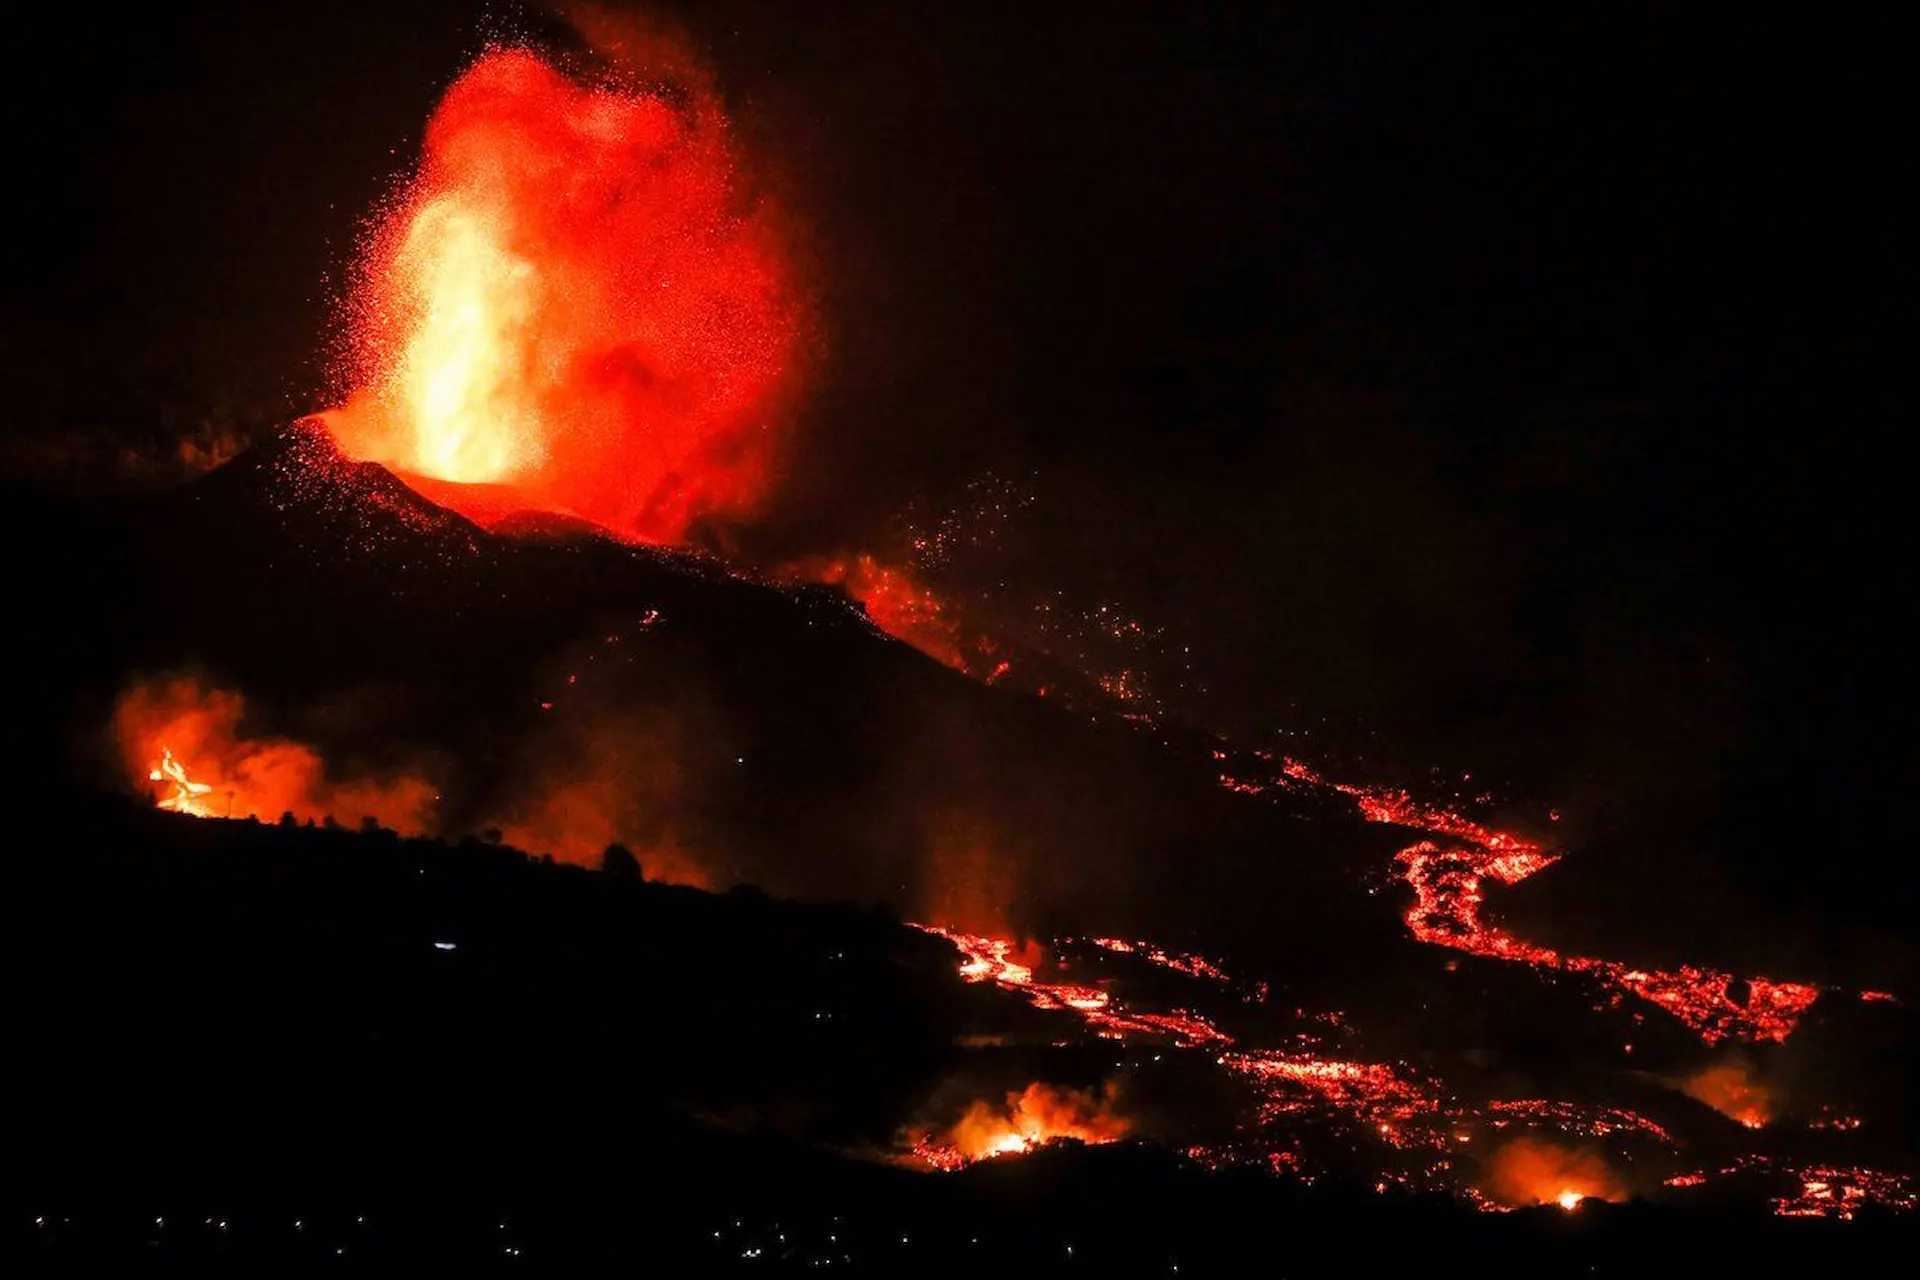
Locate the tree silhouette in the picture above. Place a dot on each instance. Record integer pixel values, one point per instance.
(618, 860)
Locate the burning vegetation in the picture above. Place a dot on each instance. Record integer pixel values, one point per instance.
(186, 740)
(1026, 1118)
(1528, 1171)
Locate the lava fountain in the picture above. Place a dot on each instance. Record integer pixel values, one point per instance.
(574, 306)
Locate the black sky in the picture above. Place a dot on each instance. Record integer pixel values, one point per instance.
(1518, 382)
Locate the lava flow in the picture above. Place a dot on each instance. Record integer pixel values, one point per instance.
(576, 304)
(1404, 1123)
(1413, 1123)
(1448, 881)
(1412, 1129)
(990, 960)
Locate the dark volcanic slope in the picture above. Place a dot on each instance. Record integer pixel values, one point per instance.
(807, 752)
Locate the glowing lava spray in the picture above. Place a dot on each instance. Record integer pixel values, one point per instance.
(576, 299)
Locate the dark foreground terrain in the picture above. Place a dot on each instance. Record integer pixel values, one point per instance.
(261, 1044)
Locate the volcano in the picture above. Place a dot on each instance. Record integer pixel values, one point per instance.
(683, 752)
(816, 756)
(1132, 934)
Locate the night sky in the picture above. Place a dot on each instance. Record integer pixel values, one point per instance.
(1502, 392)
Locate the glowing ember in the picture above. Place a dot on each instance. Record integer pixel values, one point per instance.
(1829, 1192)
(1817, 1191)
(573, 299)
(902, 606)
(989, 960)
(1398, 1110)
(1571, 1118)
(1191, 965)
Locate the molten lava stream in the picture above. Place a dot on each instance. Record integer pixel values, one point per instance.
(1393, 1106)
(1448, 882)
(1541, 1151)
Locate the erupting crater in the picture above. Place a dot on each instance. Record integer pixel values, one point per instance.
(577, 306)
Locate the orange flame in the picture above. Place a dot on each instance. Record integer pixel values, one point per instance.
(161, 726)
(184, 795)
(1033, 1117)
(1529, 1171)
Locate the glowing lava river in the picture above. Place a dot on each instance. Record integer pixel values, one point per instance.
(1397, 1124)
